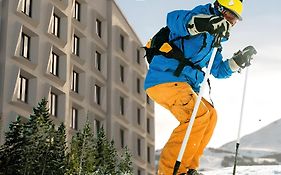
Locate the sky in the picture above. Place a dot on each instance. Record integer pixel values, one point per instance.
(261, 28)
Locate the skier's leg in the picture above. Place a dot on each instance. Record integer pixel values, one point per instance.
(207, 135)
(179, 98)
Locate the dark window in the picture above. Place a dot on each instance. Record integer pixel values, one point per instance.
(98, 60)
(122, 138)
(98, 94)
(53, 104)
(75, 45)
(75, 81)
(26, 7)
(122, 106)
(54, 64)
(98, 27)
(74, 119)
(122, 42)
(139, 172)
(122, 75)
(138, 56)
(139, 147)
(147, 99)
(23, 89)
(139, 116)
(25, 46)
(97, 125)
(138, 85)
(148, 125)
(148, 154)
(56, 25)
(76, 13)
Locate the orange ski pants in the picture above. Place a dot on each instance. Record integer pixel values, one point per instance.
(179, 99)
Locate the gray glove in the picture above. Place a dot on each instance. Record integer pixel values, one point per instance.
(208, 23)
(243, 58)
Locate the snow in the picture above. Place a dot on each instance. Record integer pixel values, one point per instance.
(247, 170)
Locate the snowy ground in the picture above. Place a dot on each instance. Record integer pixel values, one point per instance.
(247, 170)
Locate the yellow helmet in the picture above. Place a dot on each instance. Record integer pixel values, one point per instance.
(235, 6)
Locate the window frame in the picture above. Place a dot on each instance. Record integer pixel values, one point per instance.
(99, 28)
(56, 25)
(122, 42)
(122, 105)
(26, 8)
(98, 60)
(76, 45)
(97, 92)
(22, 94)
(25, 46)
(122, 73)
(54, 70)
(77, 11)
(53, 104)
(75, 81)
(74, 118)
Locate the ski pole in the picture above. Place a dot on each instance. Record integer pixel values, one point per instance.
(240, 122)
(196, 106)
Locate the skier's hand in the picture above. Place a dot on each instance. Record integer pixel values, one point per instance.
(209, 23)
(243, 58)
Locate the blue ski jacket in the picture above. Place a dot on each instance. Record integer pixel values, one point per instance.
(161, 69)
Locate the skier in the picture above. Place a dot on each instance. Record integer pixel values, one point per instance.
(177, 54)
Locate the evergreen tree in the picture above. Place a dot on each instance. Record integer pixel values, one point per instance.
(81, 158)
(11, 156)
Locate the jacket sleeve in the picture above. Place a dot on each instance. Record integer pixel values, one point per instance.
(177, 20)
(220, 68)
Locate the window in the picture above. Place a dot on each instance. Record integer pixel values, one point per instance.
(147, 99)
(139, 147)
(148, 125)
(25, 46)
(139, 172)
(53, 104)
(74, 119)
(98, 27)
(26, 7)
(98, 61)
(122, 42)
(148, 154)
(138, 85)
(97, 124)
(75, 45)
(138, 56)
(56, 25)
(75, 81)
(23, 89)
(122, 138)
(76, 13)
(98, 94)
(122, 76)
(122, 106)
(138, 116)
(54, 64)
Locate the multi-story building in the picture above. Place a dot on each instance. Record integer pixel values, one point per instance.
(85, 58)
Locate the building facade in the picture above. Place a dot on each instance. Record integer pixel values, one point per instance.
(85, 58)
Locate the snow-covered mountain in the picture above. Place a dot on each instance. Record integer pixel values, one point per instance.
(266, 141)
(247, 170)
(258, 148)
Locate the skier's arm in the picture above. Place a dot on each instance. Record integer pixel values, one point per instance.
(241, 59)
(220, 68)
